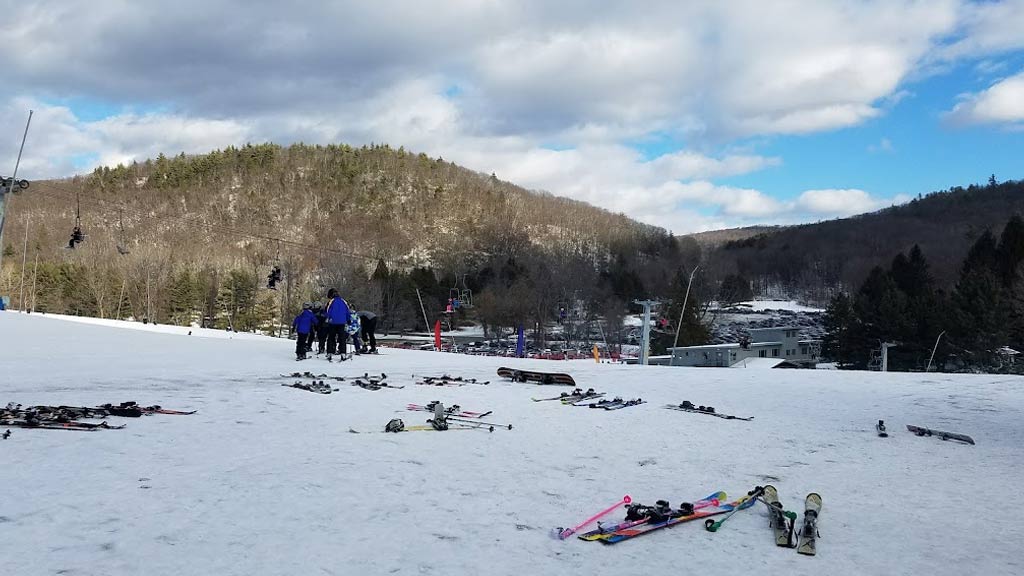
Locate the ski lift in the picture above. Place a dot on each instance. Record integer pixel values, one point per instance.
(274, 277)
(77, 237)
(460, 297)
(13, 185)
(275, 273)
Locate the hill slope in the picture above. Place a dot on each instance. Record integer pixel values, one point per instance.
(196, 226)
(810, 257)
(265, 479)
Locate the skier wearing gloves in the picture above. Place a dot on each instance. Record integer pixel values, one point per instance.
(337, 319)
(303, 325)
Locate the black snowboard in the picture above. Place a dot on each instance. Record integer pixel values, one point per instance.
(552, 378)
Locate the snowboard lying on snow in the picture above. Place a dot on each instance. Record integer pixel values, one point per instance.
(552, 378)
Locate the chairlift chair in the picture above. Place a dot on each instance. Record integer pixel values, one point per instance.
(77, 236)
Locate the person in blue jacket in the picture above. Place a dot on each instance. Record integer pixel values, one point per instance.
(303, 325)
(337, 319)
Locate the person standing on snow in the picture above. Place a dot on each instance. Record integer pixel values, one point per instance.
(320, 328)
(368, 322)
(337, 319)
(303, 325)
(353, 329)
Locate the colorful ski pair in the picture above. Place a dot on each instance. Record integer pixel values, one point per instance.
(612, 534)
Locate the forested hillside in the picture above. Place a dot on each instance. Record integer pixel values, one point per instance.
(193, 238)
(816, 260)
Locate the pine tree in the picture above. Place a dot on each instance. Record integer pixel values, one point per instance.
(979, 304)
(693, 332)
(734, 288)
(839, 322)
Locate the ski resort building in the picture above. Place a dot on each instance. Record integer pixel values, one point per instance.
(777, 347)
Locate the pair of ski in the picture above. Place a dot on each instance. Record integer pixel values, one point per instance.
(54, 425)
(573, 397)
(124, 409)
(308, 374)
(663, 517)
(454, 410)
(447, 380)
(374, 384)
(783, 522)
(616, 404)
(686, 406)
(316, 386)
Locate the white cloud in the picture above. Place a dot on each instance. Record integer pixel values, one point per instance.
(987, 28)
(836, 202)
(1002, 103)
(494, 85)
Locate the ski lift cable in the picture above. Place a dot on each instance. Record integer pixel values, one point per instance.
(60, 192)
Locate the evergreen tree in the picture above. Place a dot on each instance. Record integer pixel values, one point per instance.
(692, 332)
(979, 304)
(1010, 252)
(881, 311)
(840, 321)
(183, 298)
(734, 288)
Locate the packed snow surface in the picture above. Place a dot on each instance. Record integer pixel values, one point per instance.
(266, 479)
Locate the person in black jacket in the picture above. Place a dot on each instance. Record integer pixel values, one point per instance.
(320, 329)
(368, 324)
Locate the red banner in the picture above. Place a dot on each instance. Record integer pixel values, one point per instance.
(437, 335)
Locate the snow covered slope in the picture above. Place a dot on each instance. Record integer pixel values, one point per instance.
(266, 479)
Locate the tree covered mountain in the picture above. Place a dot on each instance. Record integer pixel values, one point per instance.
(192, 238)
(815, 261)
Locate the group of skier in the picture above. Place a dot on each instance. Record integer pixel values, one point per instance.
(331, 325)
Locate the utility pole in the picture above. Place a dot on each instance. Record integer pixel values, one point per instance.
(645, 347)
(934, 348)
(679, 326)
(24, 260)
(9, 186)
(885, 354)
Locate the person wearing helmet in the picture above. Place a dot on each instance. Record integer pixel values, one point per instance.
(303, 326)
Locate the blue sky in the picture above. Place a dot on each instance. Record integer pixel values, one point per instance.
(690, 116)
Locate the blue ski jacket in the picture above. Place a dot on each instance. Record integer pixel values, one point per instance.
(337, 311)
(304, 322)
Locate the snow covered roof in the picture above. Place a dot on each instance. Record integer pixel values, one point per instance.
(705, 347)
(761, 363)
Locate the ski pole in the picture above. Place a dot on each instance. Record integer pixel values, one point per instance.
(456, 419)
(563, 533)
(745, 502)
(710, 501)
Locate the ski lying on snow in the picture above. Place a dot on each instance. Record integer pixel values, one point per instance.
(681, 408)
(450, 410)
(781, 521)
(809, 533)
(943, 435)
(604, 530)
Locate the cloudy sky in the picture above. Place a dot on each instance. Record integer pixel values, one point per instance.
(689, 115)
